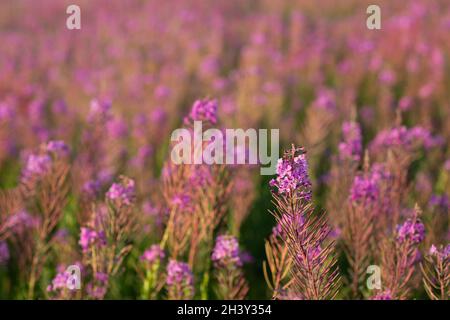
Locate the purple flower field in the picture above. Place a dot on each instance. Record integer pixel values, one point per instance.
(93, 206)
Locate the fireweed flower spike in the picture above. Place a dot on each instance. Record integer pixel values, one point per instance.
(151, 261)
(106, 240)
(179, 281)
(358, 226)
(399, 255)
(44, 185)
(342, 174)
(292, 177)
(197, 198)
(122, 193)
(231, 284)
(59, 287)
(314, 273)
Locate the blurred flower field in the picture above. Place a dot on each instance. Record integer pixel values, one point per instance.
(87, 180)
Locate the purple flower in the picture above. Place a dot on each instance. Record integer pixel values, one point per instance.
(200, 176)
(4, 253)
(387, 77)
(411, 230)
(37, 165)
(292, 175)
(96, 292)
(99, 109)
(423, 136)
(59, 281)
(58, 147)
(21, 221)
(162, 92)
(385, 295)
(440, 201)
(6, 112)
(447, 165)
(101, 277)
(335, 233)
(117, 128)
(405, 103)
(124, 192)
(63, 280)
(143, 156)
(178, 272)
(226, 252)
(203, 110)
(62, 236)
(88, 237)
(326, 100)
(180, 280)
(98, 288)
(92, 187)
(351, 146)
(246, 257)
(442, 253)
(446, 252)
(366, 188)
(153, 254)
(433, 250)
(158, 115)
(405, 138)
(183, 202)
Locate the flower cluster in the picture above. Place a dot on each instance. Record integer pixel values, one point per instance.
(98, 287)
(292, 176)
(63, 280)
(443, 253)
(58, 147)
(89, 237)
(21, 221)
(37, 165)
(99, 109)
(40, 164)
(123, 192)
(440, 201)
(180, 280)
(366, 187)
(385, 295)
(226, 251)
(351, 146)
(405, 138)
(203, 110)
(326, 99)
(179, 273)
(411, 230)
(153, 254)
